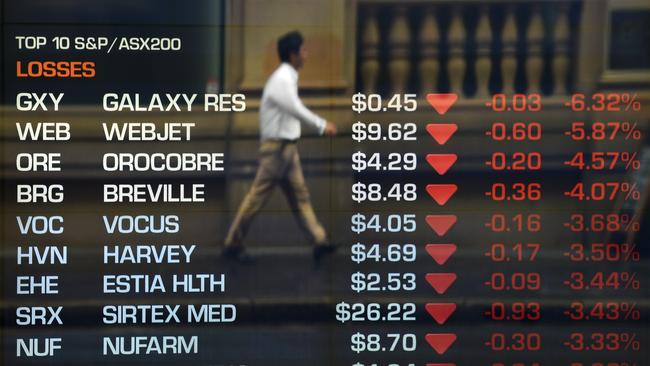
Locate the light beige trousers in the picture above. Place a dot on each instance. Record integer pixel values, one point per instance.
(279, 164)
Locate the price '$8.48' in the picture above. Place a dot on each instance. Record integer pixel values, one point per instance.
(375, 192)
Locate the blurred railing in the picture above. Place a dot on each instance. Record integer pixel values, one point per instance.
(468, 47)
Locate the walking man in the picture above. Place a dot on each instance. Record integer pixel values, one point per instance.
(281, 115)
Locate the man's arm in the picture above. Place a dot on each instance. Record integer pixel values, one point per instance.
(285, 95)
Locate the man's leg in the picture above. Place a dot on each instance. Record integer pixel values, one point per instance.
(294, 187)
(267, 176)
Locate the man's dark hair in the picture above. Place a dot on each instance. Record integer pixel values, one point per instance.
(288, 44)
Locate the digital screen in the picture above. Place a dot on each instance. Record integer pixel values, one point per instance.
(325, 183)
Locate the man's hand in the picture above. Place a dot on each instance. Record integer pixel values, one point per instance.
(330, 129)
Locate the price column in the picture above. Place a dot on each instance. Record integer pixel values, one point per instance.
(384, 252)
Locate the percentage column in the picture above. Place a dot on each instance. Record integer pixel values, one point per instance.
(605, 279)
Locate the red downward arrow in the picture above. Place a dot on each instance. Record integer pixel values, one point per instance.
(441, 312)
(441, 281)
(441, 223)
(441, 252)
(441, 102)
(441, 193)
(442, 132)
(442, 162)
(441, 342)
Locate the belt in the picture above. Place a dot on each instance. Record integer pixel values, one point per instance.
(283, 141)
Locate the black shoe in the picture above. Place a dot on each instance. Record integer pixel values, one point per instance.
(237, 254)
(322, 250)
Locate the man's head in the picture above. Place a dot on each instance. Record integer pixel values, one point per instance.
(290, 49)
